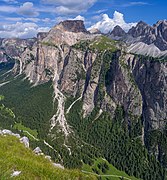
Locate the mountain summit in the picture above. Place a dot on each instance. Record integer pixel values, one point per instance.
(75, 26)
(118, 32)
(151, 39)
(67, 32)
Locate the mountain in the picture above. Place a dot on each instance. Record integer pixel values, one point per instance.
(84, 96)
(117, 32)
(145, 39)
(13, 47)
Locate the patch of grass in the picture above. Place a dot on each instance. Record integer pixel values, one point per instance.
(102, 167)
(2, 97)
(24, 129)
(103, 43)
(14, 156)
(5, 111)
(100, 44)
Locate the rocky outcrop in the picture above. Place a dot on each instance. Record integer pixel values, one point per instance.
(75, 26)
(151, 77)
(117, 33)
(41, 35)
(142, 29)
(122, 86)
(23, 140)
(67, 32)
(153, 39)
(95, 31)
(13, 48)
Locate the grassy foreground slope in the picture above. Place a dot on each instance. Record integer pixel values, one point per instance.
(15, 157)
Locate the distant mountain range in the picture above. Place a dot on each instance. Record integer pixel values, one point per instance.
(144, 39)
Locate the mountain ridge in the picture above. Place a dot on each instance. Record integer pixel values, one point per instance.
(153, 38)
(106, 99)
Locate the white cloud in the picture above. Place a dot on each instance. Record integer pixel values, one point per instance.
(70, 3)
(17, 19)
(27, 9)
(135, 3)
(60, 18)
(62, 10)
(138, 3)
(9, 19)
(8, 9)
(10, 1)
(100, 11)
(107, 24)
(35, 20)
(46, 20)
(70, 6)
(96, 18)
(79, 18)
(21, 30)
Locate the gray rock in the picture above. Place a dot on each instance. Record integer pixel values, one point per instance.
(48, 157)
(25, 141)
(6, 131)
(154, 37)
(58, 165)
(37, 151)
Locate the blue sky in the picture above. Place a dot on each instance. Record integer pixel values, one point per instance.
(22, 18)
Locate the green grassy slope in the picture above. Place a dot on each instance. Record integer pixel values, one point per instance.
(14, 156)
(108, 171)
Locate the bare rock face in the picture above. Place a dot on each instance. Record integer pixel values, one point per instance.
(152, 82)
(95, 31)
(153, 39)
(156, 35)
(131, 82)
(75, 26)
(13, 48)
(118, 32)
(160, 31)
(25, 141)
(37, 151)
(123, 88)
(67, 32)
(3, 57)
(41, 35)
(142, 29)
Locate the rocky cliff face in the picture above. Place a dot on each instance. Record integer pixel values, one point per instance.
(14, 47)
(98, 71)
(67, 32)
(117, 33)
(131, 82)
(151, 77)
(73, 26)
(144, 39)
(77, 68)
